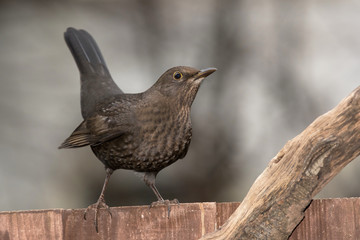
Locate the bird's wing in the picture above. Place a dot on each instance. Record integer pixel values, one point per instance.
(79, 138)
(99, 129)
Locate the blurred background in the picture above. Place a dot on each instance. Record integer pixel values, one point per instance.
(280, 65)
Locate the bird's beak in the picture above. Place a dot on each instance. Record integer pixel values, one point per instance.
(204, 73)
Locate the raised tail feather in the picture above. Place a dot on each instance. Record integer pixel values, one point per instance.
(85, 51)
(96, 81)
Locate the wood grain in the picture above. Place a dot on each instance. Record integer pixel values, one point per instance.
(187, 221)
(330, 219)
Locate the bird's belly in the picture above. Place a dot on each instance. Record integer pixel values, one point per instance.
(116, 153)
(163, 144)
(150, 152)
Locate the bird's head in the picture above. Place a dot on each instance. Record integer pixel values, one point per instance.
(181, 83)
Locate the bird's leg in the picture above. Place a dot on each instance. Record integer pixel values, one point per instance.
(100, 203)
(149, 179)
(158, 195)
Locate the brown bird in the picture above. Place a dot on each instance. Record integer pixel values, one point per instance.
(144, 132)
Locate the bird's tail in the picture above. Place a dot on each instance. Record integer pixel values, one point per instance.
(96, 81)
(85, 51)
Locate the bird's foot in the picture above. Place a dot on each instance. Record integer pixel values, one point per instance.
(96, 206)
(167, 203)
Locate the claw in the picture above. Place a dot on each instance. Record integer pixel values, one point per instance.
(167, 203)
(96, 206)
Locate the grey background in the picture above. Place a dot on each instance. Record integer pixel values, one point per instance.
(280, 65)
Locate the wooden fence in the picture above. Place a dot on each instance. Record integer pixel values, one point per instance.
(324, 219)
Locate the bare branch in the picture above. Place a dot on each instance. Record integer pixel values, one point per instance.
(275, 204)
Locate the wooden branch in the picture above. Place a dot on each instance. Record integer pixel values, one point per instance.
(276, 202)
(329, 219)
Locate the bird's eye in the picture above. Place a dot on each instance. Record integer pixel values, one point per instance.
(177, 75)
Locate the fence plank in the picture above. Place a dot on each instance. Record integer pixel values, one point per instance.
(330, 219)
(324, 219)
(224, 211)
(39, 224)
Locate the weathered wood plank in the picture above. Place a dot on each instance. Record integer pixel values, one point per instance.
(330, 219)
(187, 221)
(39, 224)
(224, 211)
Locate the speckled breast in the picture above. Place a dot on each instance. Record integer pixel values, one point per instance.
(154, 146)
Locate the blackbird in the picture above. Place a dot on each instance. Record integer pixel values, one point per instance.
(144, 132)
